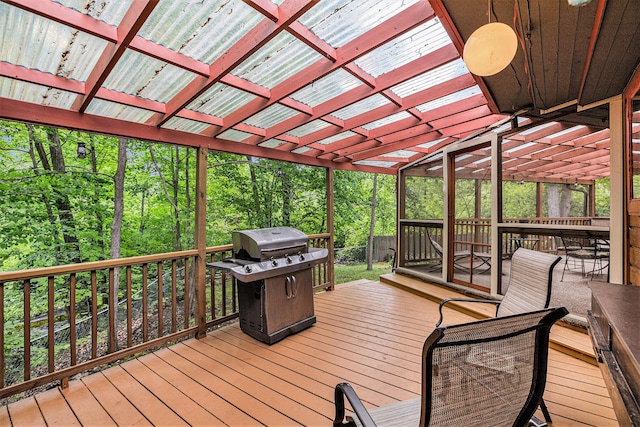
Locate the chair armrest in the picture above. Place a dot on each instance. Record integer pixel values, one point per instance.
(447, 300)
(342, 390)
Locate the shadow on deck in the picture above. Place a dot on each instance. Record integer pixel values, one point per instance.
(368, 333)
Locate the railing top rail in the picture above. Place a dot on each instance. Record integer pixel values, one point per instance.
(34, 273)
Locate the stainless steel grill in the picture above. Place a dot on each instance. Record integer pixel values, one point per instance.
(273, 268)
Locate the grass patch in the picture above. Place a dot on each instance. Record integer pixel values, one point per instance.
(348, 273)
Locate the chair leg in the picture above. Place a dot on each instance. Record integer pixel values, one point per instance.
(545, 411)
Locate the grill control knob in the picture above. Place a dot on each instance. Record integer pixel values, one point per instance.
(301, 256)
(288, 259)
(247, 268)
(274, 262)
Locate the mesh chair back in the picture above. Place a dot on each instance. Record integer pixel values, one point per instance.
(489, 372)
(530, 282)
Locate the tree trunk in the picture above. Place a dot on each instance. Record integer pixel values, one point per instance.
(116, 225)
(34, 146)
(372, 225)
(286, 199)
(176, 189)
(558, 200)
(256, 196)
(63, 204)
(96, 200)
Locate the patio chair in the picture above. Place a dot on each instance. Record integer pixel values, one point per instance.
(529, 289)
(596, 254)
(487, 372)
(484, 258)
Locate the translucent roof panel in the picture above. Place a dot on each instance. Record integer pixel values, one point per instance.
(431, 143)
(110, 12)
(449, 99)
(408, 47)
(361, 107)
(336, 138)
(186, 125)
(328, 87)
(41, 44)
(338, 22)
(401, 153)
(151, 79)
(220, 100)
(308, 128)
(271, 116)
(387, 120)
(235, 135)
(101, 107)
(271, 143)
(431, 78)
(276, 61)
(199, 33)
(301, 150)
(36, 94)
(375, 163)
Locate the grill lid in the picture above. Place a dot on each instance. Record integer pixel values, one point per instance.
(263, 240)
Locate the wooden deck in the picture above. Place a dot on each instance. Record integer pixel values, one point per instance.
(368, 333)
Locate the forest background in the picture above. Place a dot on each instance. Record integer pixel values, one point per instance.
(70, 197)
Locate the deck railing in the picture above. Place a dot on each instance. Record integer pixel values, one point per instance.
(416, 249)
(91, 314)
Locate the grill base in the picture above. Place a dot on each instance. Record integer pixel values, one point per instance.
(274, 308)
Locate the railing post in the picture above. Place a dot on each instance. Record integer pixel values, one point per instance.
(330, 227)
(200, 240)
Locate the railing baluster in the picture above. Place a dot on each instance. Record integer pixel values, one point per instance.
(186, 293)
(160, 301)
(212, 292)
(112, 311)
(129, 309)
(51, 344)
(94, 315)
(2, 335)
(72, 319)
(174, 297)
(145, 303)
(27, 329)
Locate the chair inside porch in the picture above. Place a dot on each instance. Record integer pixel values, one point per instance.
(369, 333)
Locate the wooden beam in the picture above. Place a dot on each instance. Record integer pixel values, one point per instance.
(200, 242)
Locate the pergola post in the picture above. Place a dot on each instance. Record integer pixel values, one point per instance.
(330, 225)
(617, 184)
(200, 241)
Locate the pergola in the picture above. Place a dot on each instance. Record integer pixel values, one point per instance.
(362, 85)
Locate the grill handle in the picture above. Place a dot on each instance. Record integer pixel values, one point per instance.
(287, 287)
(294, 287)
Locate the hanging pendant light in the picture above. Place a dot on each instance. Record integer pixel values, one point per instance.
(490, 48)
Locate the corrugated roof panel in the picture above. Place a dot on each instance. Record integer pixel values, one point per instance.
(338, 22)
(186, 125)
(301, 150)
(271, 116)
(375, 163)
(449, 99)
(336, 138)
(387, 120)
(36, 94)
(308, 128)
(431, 143)
(328, 87)
(235, 135)
(408, 47)
(401, 153)
(221, 100)
(101, 107)
(151, 79)
(271, 143)
(361, 107)
(37, 43)
(431, 78)
(206, 32)
(110, 12)
(276, 61)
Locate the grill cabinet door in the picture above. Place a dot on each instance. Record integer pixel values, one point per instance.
(288, 300)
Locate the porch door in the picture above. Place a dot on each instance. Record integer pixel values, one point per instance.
(469, 214)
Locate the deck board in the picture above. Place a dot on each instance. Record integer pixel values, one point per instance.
(367, 333)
